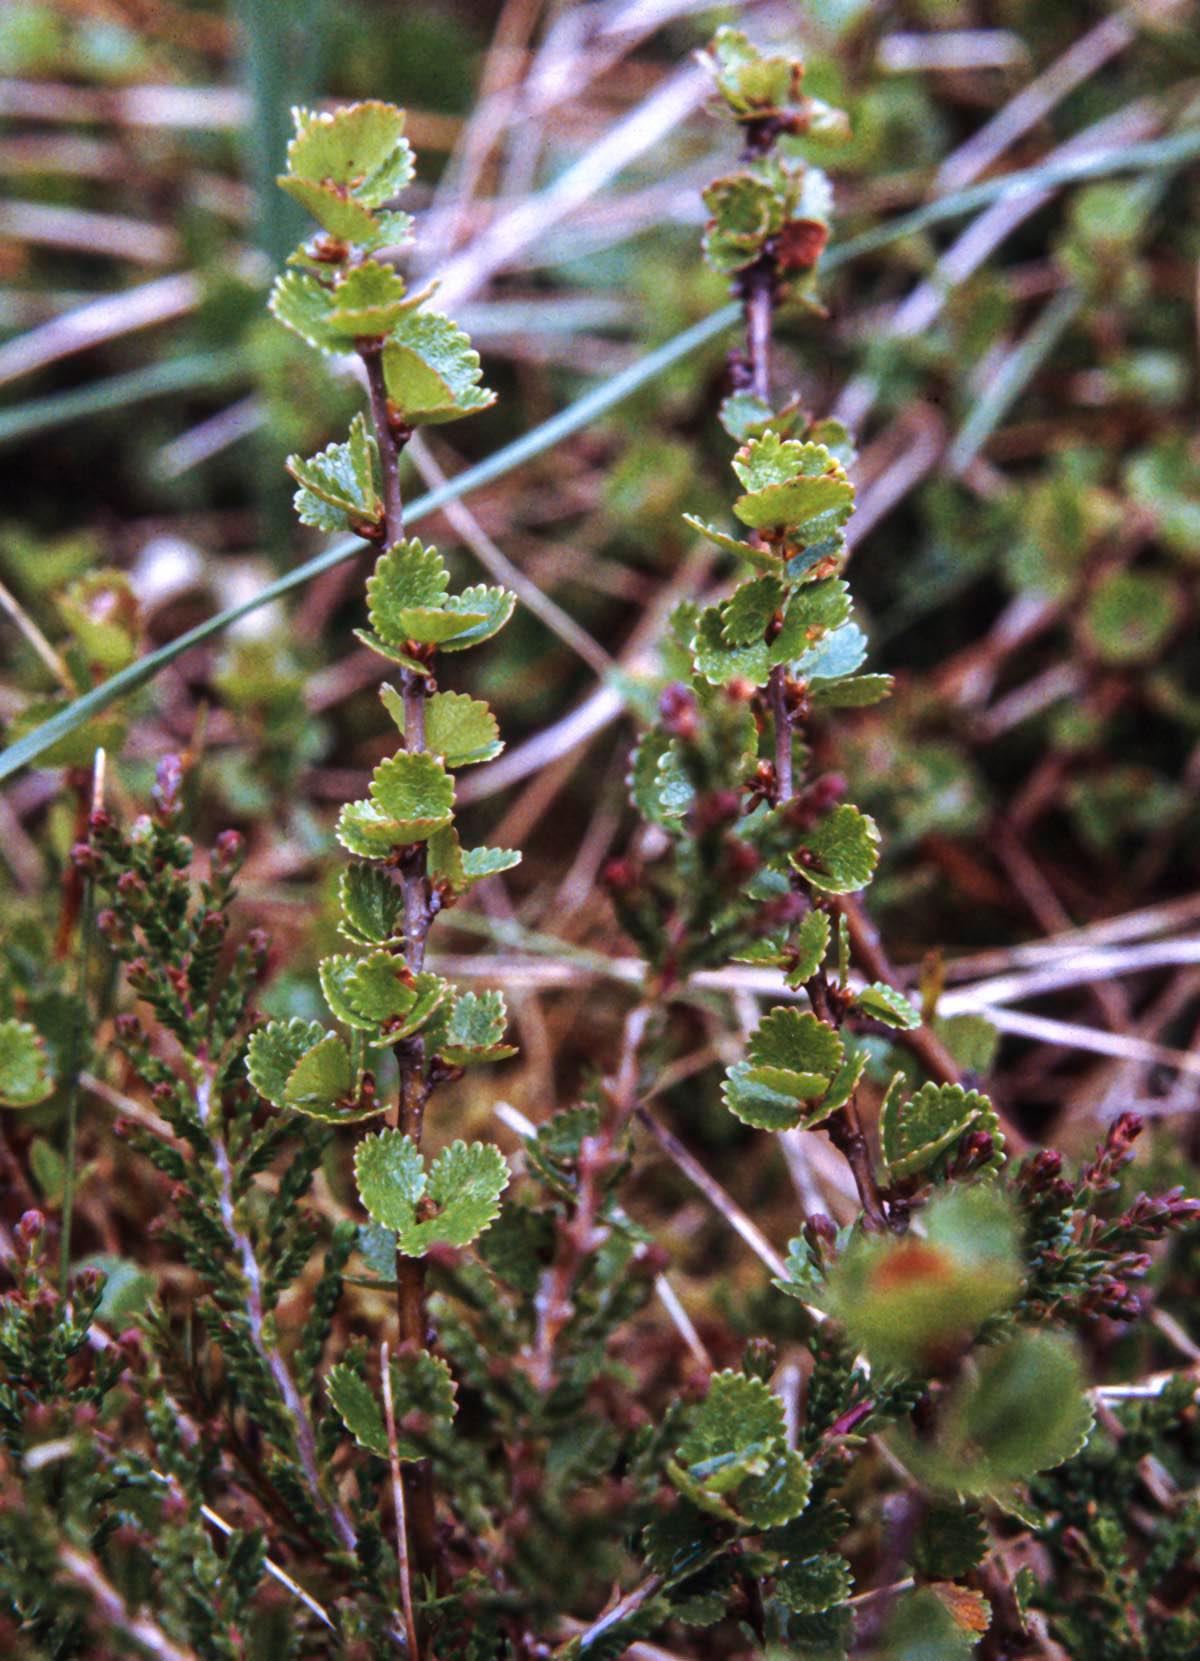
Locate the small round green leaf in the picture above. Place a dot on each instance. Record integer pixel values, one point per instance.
(25, 1074)
(273, 1052)
(453, 1204)
(914, 1132)
(322, 1082)
(840, 853)
(1130, 615)
(797, 1041)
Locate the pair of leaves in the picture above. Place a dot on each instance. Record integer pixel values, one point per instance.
(343, 167)
(471, 1031)
(409, 605)
(730, 642)
(455, 870)
(747, 209)
(298, 1064)
(800, 487)
(341, 487)
(367, 304)
(411, 796)
(811, 1576)
(421, 1384)
(431, 371)
(919, 1132)
(756, 86)
(796, 1073)
(373, 905)
(450, 1203)
(735, 1462)
(779, 206)
(26, 1077)
(379, 995)
(800, 954)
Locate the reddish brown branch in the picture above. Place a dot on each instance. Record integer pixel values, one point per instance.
(409, 1110)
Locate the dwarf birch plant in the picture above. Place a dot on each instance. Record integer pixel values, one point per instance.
(534, 1464)
(420, 368)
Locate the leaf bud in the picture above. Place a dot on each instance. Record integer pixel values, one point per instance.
(168, 782)
(975, 1150)
(85, 858)
(621, 875)
(800, 244)
(1040, 1171)
(758, 1358)
(677, 707)
(328, 249)
(229, 851)
(179, 853)
(31, 1227)
(718, 807)
(820, 1231)
(742, 859)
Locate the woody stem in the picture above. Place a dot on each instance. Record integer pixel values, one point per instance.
(407, 1113)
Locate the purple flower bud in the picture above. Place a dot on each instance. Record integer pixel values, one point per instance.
(31, 1227)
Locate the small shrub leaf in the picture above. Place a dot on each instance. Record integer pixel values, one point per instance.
(841, 852)
(322, 1080)
(358, 1409)
(372, 905)
(852, 692)
(461, 1191)
(432, 371)
(343, 477)
(788, 1039)
(884, 1003)
(273, 1052)
(26, 1077)
(485, 610)
(461, 729)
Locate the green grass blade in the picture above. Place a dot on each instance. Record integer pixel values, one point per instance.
(119, 392)
(1157, 155)
(1014, 375)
